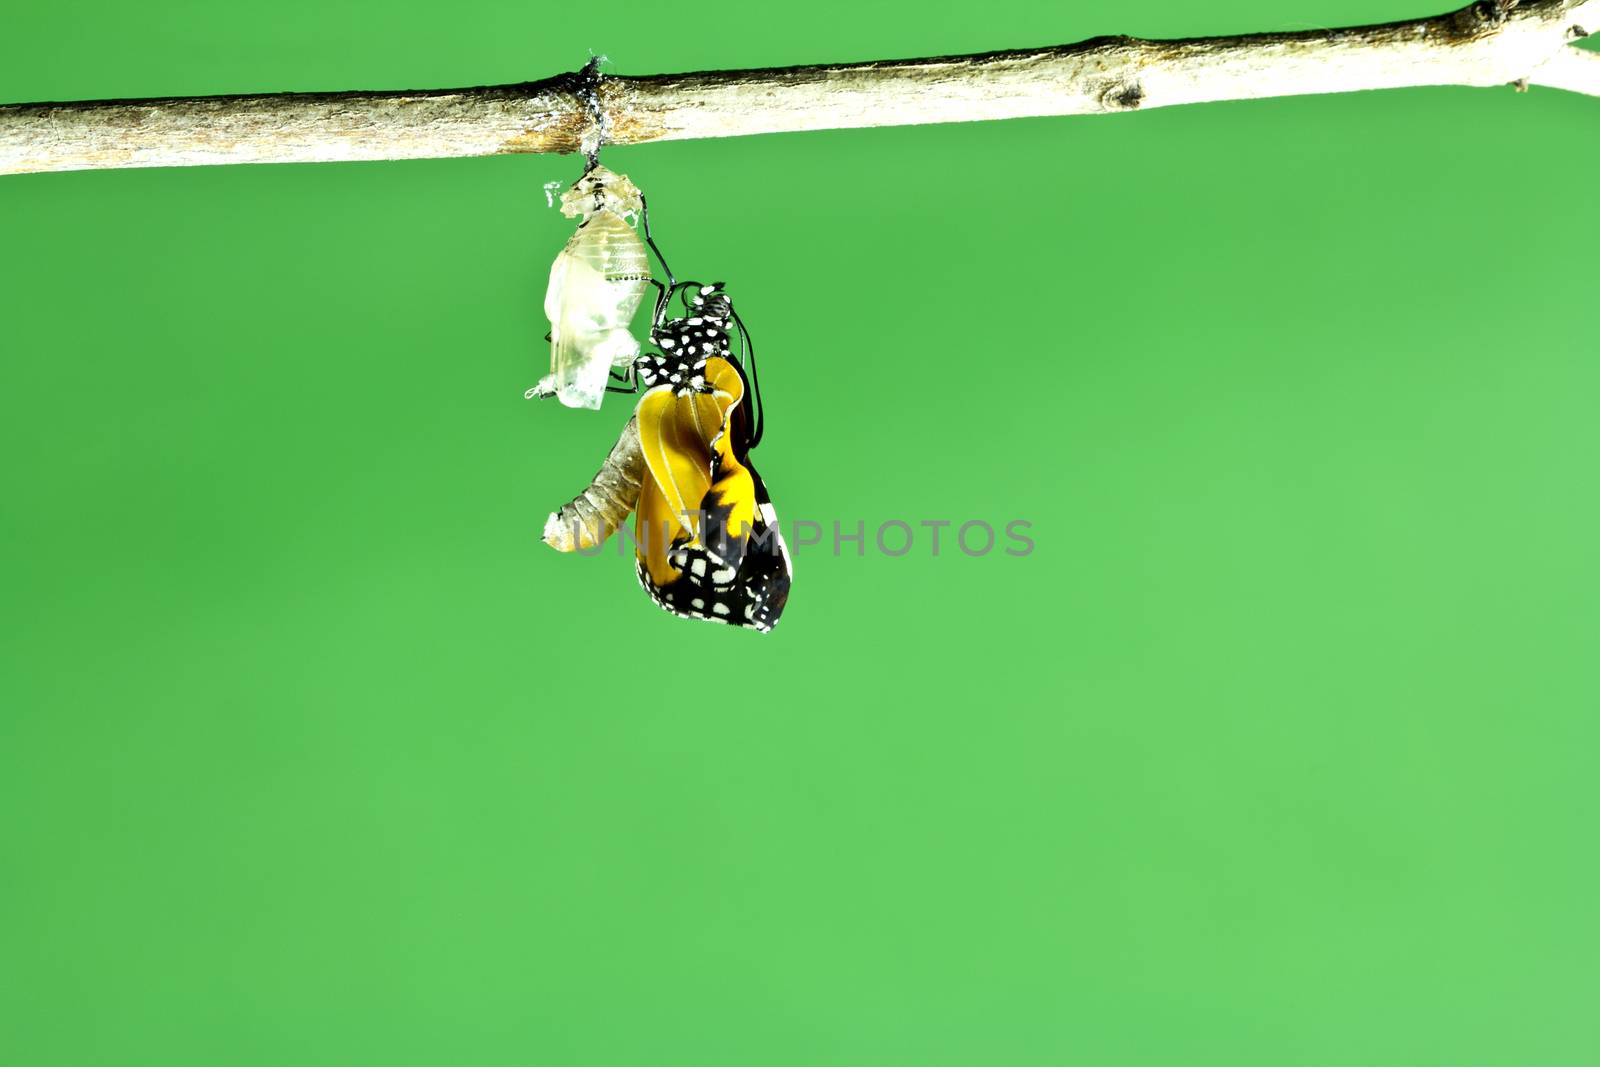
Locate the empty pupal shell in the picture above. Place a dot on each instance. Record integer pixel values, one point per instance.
(598, 189)
(594, 514)
(596, 285)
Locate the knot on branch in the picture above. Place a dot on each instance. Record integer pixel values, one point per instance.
(1482, 18)
(1122, 96)
(1496, 11)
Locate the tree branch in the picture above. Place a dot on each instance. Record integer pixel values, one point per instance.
(1494, 42)
(1572, 69)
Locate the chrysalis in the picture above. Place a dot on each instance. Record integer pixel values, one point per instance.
(596, 285)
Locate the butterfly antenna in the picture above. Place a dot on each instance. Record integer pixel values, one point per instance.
(644, 221)
(663, 292)
(749, 348)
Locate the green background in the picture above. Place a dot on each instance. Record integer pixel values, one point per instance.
(1279, 749)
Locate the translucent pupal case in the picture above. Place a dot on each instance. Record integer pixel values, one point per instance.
(596, 285)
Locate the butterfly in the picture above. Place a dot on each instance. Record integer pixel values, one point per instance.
(707, 539)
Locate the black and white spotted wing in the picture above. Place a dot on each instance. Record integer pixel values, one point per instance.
(750, 593)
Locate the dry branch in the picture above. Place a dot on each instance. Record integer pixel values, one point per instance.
(1495, 42)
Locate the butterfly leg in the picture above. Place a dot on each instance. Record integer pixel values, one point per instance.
(658, 316)
(644, 222)
(626, 382)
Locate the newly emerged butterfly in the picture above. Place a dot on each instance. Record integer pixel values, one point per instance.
(709, 546)
(706, 538)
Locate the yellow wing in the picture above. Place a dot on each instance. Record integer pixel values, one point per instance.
(730, 502)
(691, 472)
(677, 456)
(654, 526)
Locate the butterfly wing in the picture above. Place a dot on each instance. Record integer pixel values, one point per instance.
(721, 558)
